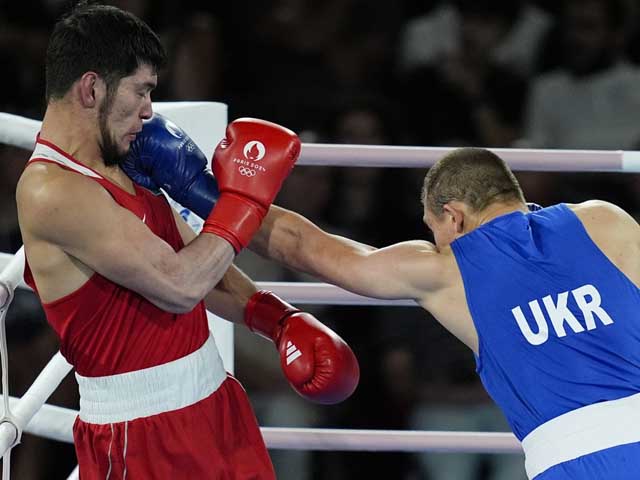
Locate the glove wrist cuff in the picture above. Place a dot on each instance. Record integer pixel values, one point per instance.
(265, 312)
(236, 219)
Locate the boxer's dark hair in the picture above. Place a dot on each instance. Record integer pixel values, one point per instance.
(475, 176)
(99, 38)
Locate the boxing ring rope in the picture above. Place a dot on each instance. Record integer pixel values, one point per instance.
(21, 132)
(301, 293)
(35, 416)
(55, 423)
(18, 414)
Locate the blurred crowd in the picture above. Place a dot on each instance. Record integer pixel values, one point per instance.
(492, 73)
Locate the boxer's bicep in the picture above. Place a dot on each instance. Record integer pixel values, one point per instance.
(406, 270)
(83, 220)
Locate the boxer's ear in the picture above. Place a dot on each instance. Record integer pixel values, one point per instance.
(90, 89)
(455, 214)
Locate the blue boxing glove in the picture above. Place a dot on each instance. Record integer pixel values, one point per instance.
(163, 156)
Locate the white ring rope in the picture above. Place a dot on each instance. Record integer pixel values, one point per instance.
(21, 132)
(302, 293)
(37, 394)
(325, 294)
(5, 259)
(56, 423)
(9, 424)
(75, 475)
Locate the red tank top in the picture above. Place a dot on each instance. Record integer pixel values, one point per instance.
(104, 328)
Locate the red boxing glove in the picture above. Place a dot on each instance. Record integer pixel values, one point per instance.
(250, 164)
(319, 365)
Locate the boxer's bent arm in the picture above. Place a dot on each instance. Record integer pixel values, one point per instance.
(407, 270)
(230, 296)
(82, 219)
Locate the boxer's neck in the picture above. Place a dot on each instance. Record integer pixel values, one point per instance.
(75, 132)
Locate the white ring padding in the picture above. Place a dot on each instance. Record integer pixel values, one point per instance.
(20, 131)
(11, 270)
(37, 394)
(75, 475)
(5, 258)
(51, 421)
(56, 423)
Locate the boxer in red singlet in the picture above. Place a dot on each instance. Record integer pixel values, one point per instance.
(125, 282)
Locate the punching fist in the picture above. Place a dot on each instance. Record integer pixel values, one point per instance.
(249, 164)
(163, 156)
(319, 365)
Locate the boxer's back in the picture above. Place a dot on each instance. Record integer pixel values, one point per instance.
(557, 320)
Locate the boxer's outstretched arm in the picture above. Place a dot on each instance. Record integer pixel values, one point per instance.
(78, 216)
(406, 270)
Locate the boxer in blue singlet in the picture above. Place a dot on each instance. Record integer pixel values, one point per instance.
(546, 298)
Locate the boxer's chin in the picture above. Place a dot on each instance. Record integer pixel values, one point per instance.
(112, 153)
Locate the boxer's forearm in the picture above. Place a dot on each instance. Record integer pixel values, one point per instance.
(289, 238)
(280, 238)
(193, 271)
(229, 298)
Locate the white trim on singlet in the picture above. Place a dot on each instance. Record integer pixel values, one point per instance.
(582, 431)
(45, 152)
(154, 390)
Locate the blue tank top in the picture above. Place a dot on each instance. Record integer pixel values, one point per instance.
(558, 323)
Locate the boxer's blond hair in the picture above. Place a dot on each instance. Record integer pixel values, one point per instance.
(475, 176)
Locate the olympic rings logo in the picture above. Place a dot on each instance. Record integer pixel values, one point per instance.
(247, 172)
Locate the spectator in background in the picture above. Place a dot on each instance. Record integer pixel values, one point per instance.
(366, 120)
(591, 100)
(430, 37)
(464, 96)
(197, 64)
(307, 57)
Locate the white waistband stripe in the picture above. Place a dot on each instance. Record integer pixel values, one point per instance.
(582, 431)
(167, 387)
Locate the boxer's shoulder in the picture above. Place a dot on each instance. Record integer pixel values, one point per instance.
(599, 215)
(45, 182)
(424, 265)
(50, 197)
